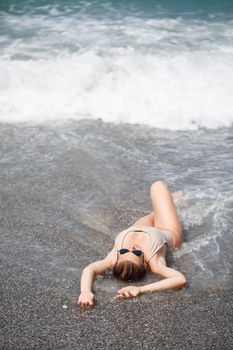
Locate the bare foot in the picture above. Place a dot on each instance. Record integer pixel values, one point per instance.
(177, 194)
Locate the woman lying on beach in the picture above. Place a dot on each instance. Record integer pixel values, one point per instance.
(141, 247)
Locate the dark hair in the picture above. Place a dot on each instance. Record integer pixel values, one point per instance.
(128, 270)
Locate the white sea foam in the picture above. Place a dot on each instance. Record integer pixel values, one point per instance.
(166, 73)
(197, 211)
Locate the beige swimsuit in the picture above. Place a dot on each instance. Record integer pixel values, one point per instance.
(158, 238)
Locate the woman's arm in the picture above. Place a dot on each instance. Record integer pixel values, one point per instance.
(89, 274)
(173, 279)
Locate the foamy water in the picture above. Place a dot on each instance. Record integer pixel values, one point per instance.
(172, 73)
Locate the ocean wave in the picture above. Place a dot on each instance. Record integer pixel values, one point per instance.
(185, 91)
(167, 73)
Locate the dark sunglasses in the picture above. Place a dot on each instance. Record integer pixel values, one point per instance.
(137, 252)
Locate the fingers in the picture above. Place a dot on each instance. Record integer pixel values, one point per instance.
(85, 303)
(86, 299)
(127, 292)
(122, 290)
(123, 293)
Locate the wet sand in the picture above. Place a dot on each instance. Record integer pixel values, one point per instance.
(33, 316)
(49, 187)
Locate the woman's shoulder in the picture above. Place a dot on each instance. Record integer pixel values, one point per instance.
(111, 257)
(120, 236)
(159, 258)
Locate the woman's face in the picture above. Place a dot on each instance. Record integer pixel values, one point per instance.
(129, 256)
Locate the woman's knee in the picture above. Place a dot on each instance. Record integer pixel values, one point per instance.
(158, 186)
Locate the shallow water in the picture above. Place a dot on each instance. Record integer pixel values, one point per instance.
(80, 183)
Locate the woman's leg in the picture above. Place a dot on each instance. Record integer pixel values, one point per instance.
(164, 211)
(148, 220)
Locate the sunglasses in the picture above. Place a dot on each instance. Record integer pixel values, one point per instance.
(137, 252)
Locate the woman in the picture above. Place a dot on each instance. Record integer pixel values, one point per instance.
(141, 247)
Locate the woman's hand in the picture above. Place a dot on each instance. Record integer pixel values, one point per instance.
(86, 299)
(128, 292)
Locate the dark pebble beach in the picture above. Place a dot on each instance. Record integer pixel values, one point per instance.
(66, 191)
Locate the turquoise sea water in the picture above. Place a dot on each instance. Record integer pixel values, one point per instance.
(147, 7)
